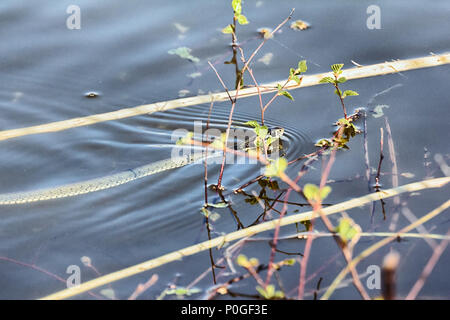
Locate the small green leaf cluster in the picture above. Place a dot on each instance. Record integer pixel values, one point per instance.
(340, 142)
(293, 75)
(337, 71)
(238, 16)
(285, 93)
(324, 143)
(350, 129)
(336, 142)
(263, 138)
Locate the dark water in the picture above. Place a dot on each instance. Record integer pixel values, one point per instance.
(121, 53)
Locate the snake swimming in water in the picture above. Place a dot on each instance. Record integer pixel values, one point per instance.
(114, 180)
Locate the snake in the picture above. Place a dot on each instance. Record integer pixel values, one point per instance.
(110, 181)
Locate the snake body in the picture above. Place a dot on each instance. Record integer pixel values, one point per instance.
(97, 184)
(114, 180)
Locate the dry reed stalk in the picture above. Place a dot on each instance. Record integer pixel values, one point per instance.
(220, 241)
(310, 80)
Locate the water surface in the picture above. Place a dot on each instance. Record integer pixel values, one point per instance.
(121, 53)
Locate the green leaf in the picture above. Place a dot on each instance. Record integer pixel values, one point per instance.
(342, 79)
(252, 123)
(313, 193)
(182, 291)
(347, 229)
(228, 29)
(286, 94)
(337, 68)
(310, 191)
(296, 79)
(343, 122)
(276, 168)
(254, 262)
(269, 292)
(194, 290)
(349, 93)
(282, 92)
(338, 92)
(289, 262)
(324, 192)
(302, 67)
(326, 80)
(291, 72)
(242, 261)
(262, 292)
(242, 19)
(324, 143)
(237, 6)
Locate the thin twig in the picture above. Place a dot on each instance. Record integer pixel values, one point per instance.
(141, 288)
(233, 103)
(377, 177)
(392, 156)
(437, 252)
(367, 252)
(269, 225)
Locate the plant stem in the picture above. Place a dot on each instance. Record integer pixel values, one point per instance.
(233, 103)
(437, 252)
(367, 252)
(338, 92)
